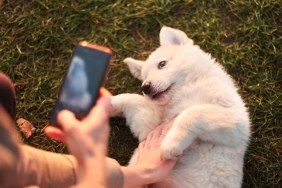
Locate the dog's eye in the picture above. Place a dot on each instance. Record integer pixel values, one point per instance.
(162, 64)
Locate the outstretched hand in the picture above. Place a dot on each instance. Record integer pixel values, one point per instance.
(149, 167)
(149, 154)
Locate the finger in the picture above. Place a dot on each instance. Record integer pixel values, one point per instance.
(140, 149)
(161, 137)
(105, 104)
(55, 133)
(168, 165)
(165, 130)
(169, 125)
(141, 146)
(104, 98)
(148, 140)
(104, 92)
(151, 134)
(100, 112)
(155, 137)
(67, 120)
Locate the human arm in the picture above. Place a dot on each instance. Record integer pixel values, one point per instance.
(87, 140)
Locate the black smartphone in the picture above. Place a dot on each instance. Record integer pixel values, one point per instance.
(83, 80)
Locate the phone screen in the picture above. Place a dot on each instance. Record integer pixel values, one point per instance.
(82, 81)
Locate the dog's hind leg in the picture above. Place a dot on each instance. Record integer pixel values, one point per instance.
(141, 115)
(207, 122)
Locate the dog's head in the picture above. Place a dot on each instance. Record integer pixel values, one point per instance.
(165, 69)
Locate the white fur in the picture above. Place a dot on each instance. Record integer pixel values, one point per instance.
(211, 128)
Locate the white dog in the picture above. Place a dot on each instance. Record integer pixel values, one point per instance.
(211, 126)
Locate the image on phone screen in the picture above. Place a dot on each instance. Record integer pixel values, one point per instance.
(75, 91)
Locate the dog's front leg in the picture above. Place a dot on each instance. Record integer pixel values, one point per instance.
(141, 114)
(210, 123)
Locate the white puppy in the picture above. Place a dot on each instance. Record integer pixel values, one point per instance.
(211, 126)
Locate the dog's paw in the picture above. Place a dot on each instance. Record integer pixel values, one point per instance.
(171, 149)
(128, 60)
(115, 109)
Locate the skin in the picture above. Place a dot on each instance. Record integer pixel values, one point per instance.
(87, 140)
(150, 167)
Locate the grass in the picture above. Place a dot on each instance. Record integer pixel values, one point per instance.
(37, 38)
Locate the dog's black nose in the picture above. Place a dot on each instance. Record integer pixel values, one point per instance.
(146, 87)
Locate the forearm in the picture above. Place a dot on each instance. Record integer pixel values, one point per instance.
(47, 169)
(135, 177)
(115, 176)
(89, 174)
(22, 165)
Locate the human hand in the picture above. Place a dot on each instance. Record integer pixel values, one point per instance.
(149, 155)
(150, 167)
(58, 134)
(89, 134)
(87, 140)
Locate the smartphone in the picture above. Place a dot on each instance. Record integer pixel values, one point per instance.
(83, 80)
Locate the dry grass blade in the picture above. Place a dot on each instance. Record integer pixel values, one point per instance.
(26, 128)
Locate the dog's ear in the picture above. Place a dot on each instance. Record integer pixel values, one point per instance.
(170, 36)
(135, 67)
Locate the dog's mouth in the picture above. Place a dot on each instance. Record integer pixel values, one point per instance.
(159, 94)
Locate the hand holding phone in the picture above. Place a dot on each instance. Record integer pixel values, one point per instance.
(85, 76)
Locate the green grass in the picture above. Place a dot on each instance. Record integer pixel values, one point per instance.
(37, 38)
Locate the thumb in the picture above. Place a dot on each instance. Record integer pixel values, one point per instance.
(67, 120)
